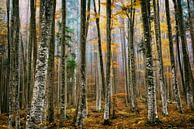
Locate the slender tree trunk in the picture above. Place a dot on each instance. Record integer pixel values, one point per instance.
(14, 78)
(63, 67)
(23, 93)
(178, 55)
(149, 62)
(34, 34)
(18, 68)
(51, 68)
(8, 49)
(172, 60)
(130, 89)
(87, 28)
(97, 14)
(108, 64)
(131, 52)
(82, 101)
(159, 50)
(32, 40)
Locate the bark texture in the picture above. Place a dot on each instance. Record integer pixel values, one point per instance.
(63, 67)
(51, 68)
(108, 64)
(38, 96)
(159, 50)
(82, 101)
(149, 62)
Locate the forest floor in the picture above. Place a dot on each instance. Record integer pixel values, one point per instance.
(124, 118)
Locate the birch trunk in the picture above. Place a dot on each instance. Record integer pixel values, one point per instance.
(149, 62)
(37, 105)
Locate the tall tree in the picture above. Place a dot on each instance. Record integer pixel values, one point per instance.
(131, 58)
(145, 9)
(51, 68)
(8, 45)
(159, 50)
(178, 54)
(172, 60)
(97, 15)
(31, 51)
(38, 97)
(186, 64)
(63, 67)
(108, 63)
(17, 61)
(14, 87)
(9, 63)
(82, 101)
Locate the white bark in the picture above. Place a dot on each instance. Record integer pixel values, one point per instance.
(37, 105)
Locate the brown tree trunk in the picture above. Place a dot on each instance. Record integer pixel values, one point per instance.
(172, 60)
(82, 101)
(108, 64)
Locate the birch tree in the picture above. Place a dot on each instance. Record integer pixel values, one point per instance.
(38, 97)
(145, 8)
